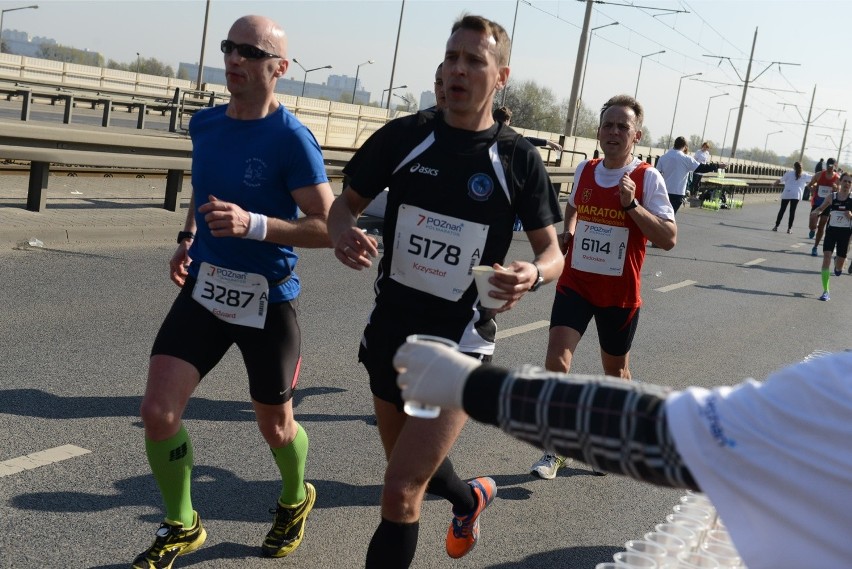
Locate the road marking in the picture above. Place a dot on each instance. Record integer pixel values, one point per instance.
(41, 458)
(675, 286)
(522, 329)
(797, 245)
(753, 262)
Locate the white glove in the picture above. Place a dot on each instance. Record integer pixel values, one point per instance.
(432, 374)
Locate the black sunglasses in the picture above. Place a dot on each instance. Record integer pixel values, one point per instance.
(245, 50)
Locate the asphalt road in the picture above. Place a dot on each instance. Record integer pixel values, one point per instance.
(79, 320)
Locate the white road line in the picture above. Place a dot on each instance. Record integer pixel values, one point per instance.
(797, 245)
(675, 286)
(754, 262)
(522, 329)
(41, 458)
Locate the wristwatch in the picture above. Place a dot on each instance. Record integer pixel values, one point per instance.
(539, 280)
(185, 235)
(633, 205)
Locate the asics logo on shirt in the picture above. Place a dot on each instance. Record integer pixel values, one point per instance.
(416, 167)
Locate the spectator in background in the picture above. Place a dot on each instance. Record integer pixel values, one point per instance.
(702, 156)
(504, 115)
(675, 166)
(819, 166)
(794, 185)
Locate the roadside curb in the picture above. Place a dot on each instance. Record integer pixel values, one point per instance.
(53, 236)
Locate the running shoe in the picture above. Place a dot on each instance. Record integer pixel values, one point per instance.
(813, 252)
(789, 231)
(171, 540)
(775, 228)
(464, 530)
(547, 466)
(811, 234)
(825, 296)
(288, 529)
(838, 272)
(849, 270)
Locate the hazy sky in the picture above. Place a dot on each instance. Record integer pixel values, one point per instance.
(344, 33)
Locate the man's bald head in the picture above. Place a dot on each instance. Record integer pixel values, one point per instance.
(266, 34)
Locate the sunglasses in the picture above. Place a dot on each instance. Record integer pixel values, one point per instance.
(245, 50)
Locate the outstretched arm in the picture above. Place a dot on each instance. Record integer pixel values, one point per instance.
(612, 425)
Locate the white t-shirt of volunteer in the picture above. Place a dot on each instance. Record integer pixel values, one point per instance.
(793, 188)
(775, 460)
(434, 253)
(675, 167)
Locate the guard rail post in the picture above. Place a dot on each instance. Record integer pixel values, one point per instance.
(173, 120)
(36, 192)
(27, 96)
(174, 184)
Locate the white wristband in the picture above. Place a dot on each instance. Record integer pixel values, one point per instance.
(257, 227)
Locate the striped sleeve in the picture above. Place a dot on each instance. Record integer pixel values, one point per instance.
(612, 425)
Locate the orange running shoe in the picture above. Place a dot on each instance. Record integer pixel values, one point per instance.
(464, 530)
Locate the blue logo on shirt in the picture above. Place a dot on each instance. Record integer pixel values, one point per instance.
(714, 423)
(480, 187)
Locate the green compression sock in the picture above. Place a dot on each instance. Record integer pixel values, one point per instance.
(291, 463)
(171, 464)
(825, 278)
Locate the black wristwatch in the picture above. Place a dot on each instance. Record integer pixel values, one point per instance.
(185, 235)
(633, 205)
(539, 280)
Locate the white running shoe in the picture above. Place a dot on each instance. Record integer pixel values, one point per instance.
(547, 466)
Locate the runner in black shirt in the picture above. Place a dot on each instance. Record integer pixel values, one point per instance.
(456, 182)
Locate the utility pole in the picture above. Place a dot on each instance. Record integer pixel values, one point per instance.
(839, 146)
(203, 43)
(743, 100)
(807, 125)
(395, 52)
(511, 47)
(570, 121)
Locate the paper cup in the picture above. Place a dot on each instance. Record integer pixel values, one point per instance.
(481, 274)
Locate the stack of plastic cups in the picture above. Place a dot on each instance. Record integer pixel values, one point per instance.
(692, 537)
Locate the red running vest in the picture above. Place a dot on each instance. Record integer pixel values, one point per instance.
(599, 205)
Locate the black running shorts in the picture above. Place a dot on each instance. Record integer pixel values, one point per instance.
(272, 356)
(616, 326)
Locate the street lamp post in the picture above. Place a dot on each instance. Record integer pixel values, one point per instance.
(407, 101)
(381, 102)
(707, 114)
(725, 138)
(3, 12)
(641, 59)
(674, 112)
(765, 144)
(585, 67)
(357, 71)
(305, 80)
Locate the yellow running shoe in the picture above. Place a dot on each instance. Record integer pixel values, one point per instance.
(288, 529)
(171, 541)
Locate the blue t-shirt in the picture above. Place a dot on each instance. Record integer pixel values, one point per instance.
(254, 164)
